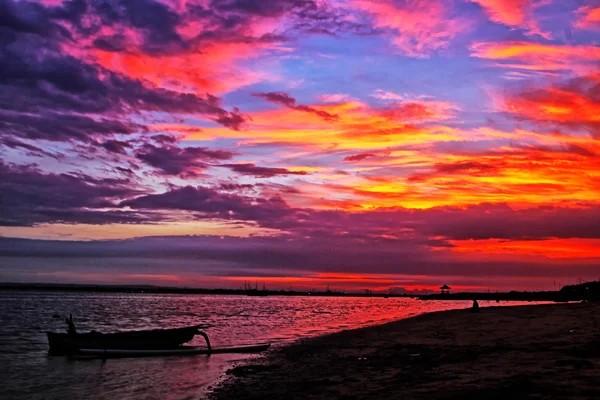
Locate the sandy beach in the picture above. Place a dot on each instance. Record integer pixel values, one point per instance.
(539, 351)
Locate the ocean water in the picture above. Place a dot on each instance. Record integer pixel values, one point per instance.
(28, 372)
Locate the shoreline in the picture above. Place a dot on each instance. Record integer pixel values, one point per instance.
(550, 350)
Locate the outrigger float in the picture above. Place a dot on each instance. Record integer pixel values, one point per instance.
(145, 343)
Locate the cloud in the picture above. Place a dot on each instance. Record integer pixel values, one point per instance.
(359, 157)
(308, 262)
(210, 203)
(290, 102)
(508, 12)
(116, 146)
(334, 97)
(514, 13)
(261, 172)
(575, 103)
(420, 111)
(31, 197)
(385, 225)
(589, 18)
(31, 149)
(419, 28)
(62, 127)
(173, 160)
(386, 95)
(470, 168)
(536, 56)
(189, 44)
(49, 93)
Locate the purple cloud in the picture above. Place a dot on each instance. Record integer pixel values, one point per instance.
(210, 203)
(116, 146)
(261, 172)
(30, 197)
(173, 160)
(290, 102)
(359, 157)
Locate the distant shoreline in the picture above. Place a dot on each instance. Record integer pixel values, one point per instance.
(556, 296)
(501, 352)
(65, 287)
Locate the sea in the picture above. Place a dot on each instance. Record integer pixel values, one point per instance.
(27, 371)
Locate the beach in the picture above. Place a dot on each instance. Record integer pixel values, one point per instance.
(537, 351)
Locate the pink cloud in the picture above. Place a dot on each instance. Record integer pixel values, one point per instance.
(508, 12)
(421, 27)
(589, 18)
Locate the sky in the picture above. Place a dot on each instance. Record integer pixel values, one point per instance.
(360, 144)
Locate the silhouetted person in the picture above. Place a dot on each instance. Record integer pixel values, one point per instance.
(475, 307)
(71, 329)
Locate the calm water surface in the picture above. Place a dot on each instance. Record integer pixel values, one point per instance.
(27, 372)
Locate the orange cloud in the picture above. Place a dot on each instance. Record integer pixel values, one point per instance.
(422, 27)
(575, 103)
(536, 56)
(589, 18)
(357, 126)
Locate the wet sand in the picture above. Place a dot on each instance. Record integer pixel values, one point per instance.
(534, 352)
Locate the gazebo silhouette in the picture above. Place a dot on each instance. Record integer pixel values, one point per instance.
(445, 289)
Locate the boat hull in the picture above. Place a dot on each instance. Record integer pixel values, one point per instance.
(64, 343)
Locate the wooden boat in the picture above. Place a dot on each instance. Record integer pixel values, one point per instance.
(180, 351)
(71, 342)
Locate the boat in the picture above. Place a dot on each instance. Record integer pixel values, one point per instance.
(154, 339)
(144, 343)
(180, 351)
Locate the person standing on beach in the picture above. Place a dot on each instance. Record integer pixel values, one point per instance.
(475, 307)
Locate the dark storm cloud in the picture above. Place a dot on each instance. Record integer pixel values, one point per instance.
(62, 127)
(483, 221)
(28, 197)
(14, 143)
(173, 160)
(255, 254)
(116, 146)
(261, 172)
(154, 21)
(210, 203)
(290, 102)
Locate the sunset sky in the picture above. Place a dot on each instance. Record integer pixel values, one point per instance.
(357, 143)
